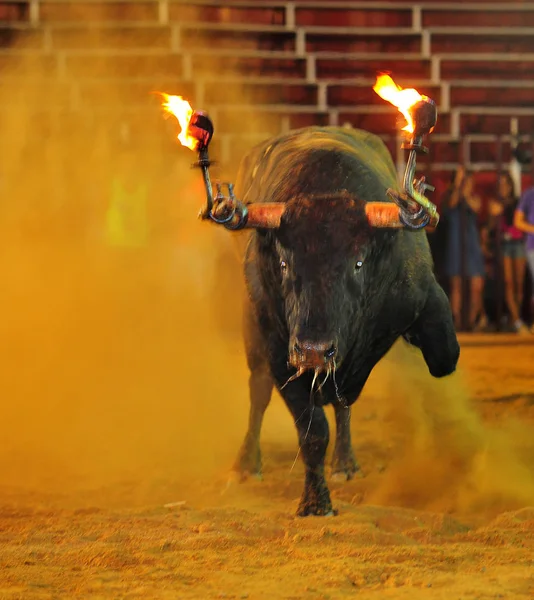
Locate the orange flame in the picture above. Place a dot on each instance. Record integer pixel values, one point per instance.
(387, 89)
(181, 109)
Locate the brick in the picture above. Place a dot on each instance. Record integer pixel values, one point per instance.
(346, 17)
(478, 18)
(442, 43)
(83, 12)
(214, 14)
(14, 12)
(215, 66)
(126, 37)
(131, 94)
(243, 93)
(21, 39)
(486, 69)
(388, 123)
(501, 96)
(323, 42)
(125, 66)
(27, 65)
(444, 123)
(496, 124)
(297, 121)
(375, 123)
(346, 95)
(488, 151)
(345, 69)
(443, 152)
(233, 120)
(35, 95)
(192, 38)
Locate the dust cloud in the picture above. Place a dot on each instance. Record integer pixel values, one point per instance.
(446, 456)
(118, 360)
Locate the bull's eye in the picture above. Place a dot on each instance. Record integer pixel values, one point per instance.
(358, 265)
(283, 266)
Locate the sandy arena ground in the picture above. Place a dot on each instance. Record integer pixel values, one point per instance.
(117, 402)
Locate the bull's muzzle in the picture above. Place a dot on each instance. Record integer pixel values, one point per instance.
(313, 355)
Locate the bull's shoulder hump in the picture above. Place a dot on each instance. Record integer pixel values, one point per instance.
(280, 153)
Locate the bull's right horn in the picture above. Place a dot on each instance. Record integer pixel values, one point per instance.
(261, 215)
(265, 215)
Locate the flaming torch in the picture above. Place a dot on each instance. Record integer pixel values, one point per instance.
(196, 133)
(421, 116)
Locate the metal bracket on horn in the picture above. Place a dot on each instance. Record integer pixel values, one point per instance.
(416, 210)
(222, 209)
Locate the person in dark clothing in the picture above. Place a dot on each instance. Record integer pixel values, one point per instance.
(460, 207)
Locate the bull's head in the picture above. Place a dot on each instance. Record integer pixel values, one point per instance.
(323, 252)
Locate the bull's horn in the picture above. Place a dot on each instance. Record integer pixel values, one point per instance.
(264, 215)
(388, 215)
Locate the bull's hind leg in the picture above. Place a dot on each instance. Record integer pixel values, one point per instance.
(434, 333)
(248, 461)
(249, 458)
(344, 465)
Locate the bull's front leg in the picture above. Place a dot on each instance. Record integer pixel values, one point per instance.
(313, 435)
(434, 334)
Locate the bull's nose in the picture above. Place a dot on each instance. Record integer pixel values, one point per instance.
(314, 354)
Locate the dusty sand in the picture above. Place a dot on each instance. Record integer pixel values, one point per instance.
(120, 397)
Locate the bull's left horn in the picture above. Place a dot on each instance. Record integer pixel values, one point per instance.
(387, 215)
(383, 214)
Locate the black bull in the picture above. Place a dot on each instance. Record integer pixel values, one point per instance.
(328, 295)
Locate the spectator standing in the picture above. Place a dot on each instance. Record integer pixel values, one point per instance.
(461, 207)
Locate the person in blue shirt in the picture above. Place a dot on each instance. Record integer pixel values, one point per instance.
(524, 221)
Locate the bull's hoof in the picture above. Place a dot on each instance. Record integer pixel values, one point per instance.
(344, 468)
(248, 463)
(341, 477)
(240, 476)
(316, 502)
(315, 510)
